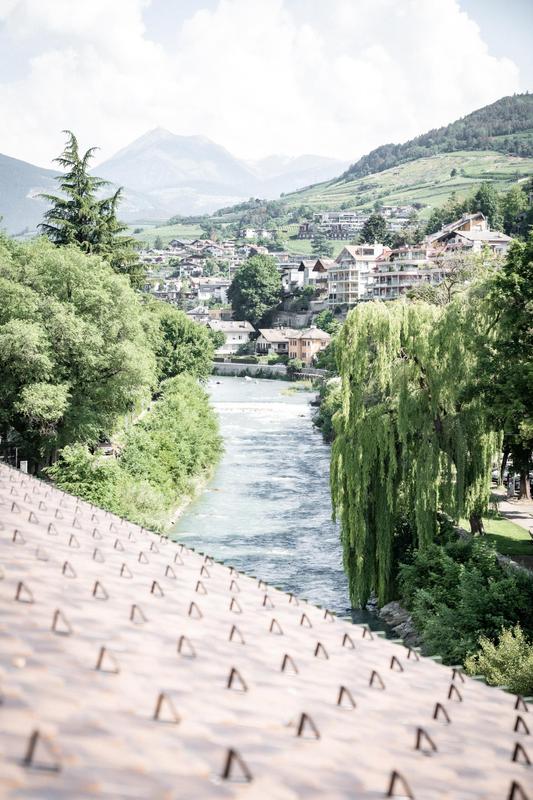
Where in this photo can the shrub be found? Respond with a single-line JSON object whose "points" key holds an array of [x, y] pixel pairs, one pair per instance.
{"points": [[457, 591], [507, 663], [163, 454], [330, 402]]}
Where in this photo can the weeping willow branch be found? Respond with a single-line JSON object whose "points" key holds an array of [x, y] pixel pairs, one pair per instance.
{"points": [[407, 442]]}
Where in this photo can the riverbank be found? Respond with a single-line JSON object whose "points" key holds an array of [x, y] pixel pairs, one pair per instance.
{"points": [[166, 458]]}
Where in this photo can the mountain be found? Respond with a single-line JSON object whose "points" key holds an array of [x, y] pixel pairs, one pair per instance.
{"points": [[20, 184], [426, 183], [505, 126], [494, 143], [193, 175], [164, 174]]}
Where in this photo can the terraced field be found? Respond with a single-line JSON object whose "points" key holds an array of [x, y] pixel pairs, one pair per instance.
{"points": [[427, 180], [150, 230]]}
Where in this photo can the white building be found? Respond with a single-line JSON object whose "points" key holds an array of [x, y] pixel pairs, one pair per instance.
{"points": [[351, 276], [237, 333], [402, 269], [211, 289]]}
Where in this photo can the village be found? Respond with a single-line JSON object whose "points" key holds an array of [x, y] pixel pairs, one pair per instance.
{"points": [[196, 275]]}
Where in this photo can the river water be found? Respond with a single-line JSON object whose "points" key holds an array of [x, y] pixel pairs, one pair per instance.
{"points": [[267, 510]]}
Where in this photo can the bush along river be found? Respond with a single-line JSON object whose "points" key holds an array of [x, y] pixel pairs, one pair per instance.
{"points": [[267, 510]]}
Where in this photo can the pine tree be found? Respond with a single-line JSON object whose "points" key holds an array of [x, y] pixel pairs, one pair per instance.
{"points": [[79, 217], [321, 246]]}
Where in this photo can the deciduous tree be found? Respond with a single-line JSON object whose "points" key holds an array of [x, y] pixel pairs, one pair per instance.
{"points": [[255, 289], [409, 441]]}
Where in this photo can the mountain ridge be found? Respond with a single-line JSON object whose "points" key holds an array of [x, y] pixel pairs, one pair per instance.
{"points": [[497, 126]]}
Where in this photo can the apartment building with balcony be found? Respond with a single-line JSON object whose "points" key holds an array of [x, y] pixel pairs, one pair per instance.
{"points": [[406, 267], [351, 276]]}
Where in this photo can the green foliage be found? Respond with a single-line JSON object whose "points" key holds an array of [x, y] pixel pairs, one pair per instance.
{"points": [[509, 662], [255, 289], [457, 591], [73, 352], [79, 348], [162, 457], [326, 322], [505, 371], [321, 246], [495, 127], [294, 365], [330, 402], [514, 204], [487, 200], [374, 230], [180, 345], [410, 441], [79, 217]]}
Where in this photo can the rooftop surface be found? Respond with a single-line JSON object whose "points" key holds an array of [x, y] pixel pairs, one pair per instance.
{"points": [[133, 667]]}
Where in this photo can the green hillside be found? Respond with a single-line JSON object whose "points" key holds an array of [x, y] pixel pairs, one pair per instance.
{"points": [[428, 181], [505, 126]]}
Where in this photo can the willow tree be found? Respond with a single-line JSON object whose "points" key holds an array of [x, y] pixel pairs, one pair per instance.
{"points": [[411, 438]]}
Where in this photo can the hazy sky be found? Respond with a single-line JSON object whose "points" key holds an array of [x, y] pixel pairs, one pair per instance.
{"points": [[335, 77]]}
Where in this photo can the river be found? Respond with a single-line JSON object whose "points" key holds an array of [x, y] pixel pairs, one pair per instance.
{"points": [[267, 510]]}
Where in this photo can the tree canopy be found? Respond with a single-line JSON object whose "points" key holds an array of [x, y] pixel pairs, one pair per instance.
{"points": [[79, 348], [73, 353], [411, 441], [321, 246], [505, 371], [255, 289], [79, 216], [374, 229]]}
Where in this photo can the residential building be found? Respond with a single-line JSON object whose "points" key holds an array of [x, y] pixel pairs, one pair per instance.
{"points": [[400, 270], [211, 289], [350, 277], [305, 344], [291, 278], [470, 232], [237, 333], [274, 341], [315, 273], [199, 314], [169, 290]]}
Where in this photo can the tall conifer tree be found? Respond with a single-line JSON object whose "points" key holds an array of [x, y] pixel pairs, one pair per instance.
{"points": [[78, 216]]}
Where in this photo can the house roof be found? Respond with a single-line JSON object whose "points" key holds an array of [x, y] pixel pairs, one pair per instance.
{"points": [[273, 334], [231, 326], [134, 667], [311, 333], [452, 226], [484, 236]]}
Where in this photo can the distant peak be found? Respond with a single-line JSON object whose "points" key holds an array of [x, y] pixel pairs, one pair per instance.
{"points": [[156, 134]]}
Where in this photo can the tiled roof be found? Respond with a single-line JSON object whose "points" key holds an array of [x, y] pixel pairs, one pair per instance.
{"points": [[132, 667], [310, 333]]}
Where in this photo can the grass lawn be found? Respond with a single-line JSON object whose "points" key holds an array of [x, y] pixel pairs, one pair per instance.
{"points": [[304, 246], [508, 539]]}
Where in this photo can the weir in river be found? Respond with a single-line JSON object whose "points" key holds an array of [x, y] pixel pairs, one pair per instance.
{"points": [[267, 510]]}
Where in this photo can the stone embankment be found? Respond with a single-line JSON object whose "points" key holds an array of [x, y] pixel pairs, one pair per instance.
{"points": [[401, 623]]}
